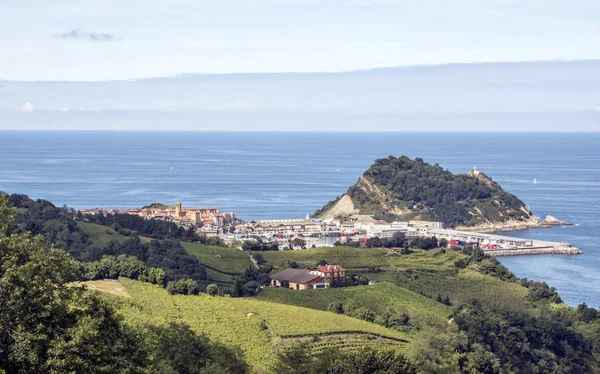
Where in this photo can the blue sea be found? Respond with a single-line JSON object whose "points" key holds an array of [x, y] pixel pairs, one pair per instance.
{"points": [[265, 175]]}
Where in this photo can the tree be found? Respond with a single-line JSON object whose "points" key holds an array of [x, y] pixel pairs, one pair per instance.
{"points": [[212, 289], [298, 242], [156, 276], [298, 359], [370, 361], [47, 325]]}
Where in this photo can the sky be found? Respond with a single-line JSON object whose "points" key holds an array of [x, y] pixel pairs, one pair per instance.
{"points": [[82, 64], [86, 40]]}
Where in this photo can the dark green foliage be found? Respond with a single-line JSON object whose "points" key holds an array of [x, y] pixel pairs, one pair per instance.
{"points": [[175, 348], [398, 240], [146, 227], [538, 291], [431, 193], [168, 255], [48, 326], [350, 280], [429, 242], [60, 230], [260, 260], [183, 287], [249, 283], [111, 267], [484, 264], [525, 344], [298, 359], [41, 217], [587, 314], [212, 289], [260, 245]]}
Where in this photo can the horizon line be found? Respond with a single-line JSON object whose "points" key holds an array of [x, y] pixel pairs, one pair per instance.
{"points": [[316, 131], [358, 70]]}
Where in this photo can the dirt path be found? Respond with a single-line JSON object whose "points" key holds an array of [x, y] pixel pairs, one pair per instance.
{"points": [[253, 260]]}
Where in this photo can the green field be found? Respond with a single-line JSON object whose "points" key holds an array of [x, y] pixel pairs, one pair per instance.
{"points": [[222, 259], [259, 328], [464, 287], [379, 298], [430, 273], [100, 235], [364, 259]]}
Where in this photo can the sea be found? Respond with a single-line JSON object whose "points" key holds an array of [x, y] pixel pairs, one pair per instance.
{"points": [[276, 175]]}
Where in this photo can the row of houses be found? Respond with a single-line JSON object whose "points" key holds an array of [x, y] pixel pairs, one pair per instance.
{"points": [[205, 219], [304, 279]]}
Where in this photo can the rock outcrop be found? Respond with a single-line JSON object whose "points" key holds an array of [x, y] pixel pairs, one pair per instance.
{"points": [[404, 189]]}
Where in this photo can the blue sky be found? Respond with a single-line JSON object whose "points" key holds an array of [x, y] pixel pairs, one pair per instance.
{"points": [[461, 65], [83, 40]]}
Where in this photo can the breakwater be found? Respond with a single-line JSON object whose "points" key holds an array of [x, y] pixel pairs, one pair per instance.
{"points": [[543, 250]]}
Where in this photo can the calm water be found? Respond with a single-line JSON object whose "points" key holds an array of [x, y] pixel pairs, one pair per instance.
{"points": [[289, 175]]}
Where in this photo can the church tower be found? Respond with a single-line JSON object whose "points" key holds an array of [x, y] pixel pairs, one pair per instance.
{"points": [[178, 209]]}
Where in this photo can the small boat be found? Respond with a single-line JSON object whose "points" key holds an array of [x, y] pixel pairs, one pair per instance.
{"points": [[534, 180]]}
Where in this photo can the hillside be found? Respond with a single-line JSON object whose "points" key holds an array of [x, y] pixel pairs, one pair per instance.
{"points": [[257, 327], [447, 309], [404, 189]]}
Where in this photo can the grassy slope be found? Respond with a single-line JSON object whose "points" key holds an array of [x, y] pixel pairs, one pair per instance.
{"points": [[231, 260], [239, 322], [362, 259], [463, 287], [222, 264], [100, 235], [430, 273], [379, 298]]}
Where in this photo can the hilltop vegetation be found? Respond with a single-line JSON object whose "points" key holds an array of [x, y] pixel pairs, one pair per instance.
{"points": [[404, 189], [98, 236]]}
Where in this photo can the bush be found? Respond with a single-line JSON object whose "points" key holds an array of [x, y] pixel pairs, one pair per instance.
{"points": [[212, 289]]}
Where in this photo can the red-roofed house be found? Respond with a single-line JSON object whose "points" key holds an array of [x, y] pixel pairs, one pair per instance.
{"points": [[329, 272]]}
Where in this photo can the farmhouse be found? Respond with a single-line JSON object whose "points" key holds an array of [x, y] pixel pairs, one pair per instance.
{"points": [[296, 279], [329, 272]]}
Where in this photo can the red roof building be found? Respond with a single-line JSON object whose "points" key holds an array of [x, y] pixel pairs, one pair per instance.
{"points": [[329, 272]]}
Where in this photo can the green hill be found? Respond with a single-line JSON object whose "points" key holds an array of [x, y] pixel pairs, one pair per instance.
{"points": [[406, 279], [404, 189], [99, 235], [379, 298], [257, 327], [222, 264]]}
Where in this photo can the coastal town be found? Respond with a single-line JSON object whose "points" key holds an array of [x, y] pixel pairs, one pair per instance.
{"points": [[315, 232]]}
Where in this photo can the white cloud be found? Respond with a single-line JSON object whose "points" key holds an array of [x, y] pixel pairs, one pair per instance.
{"points": [[64, 109], [27, 107]]}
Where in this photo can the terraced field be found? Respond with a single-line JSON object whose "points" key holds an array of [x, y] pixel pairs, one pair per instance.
{"points": [[363, 259], [379, 298], [467, 285], [257, 327]]}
